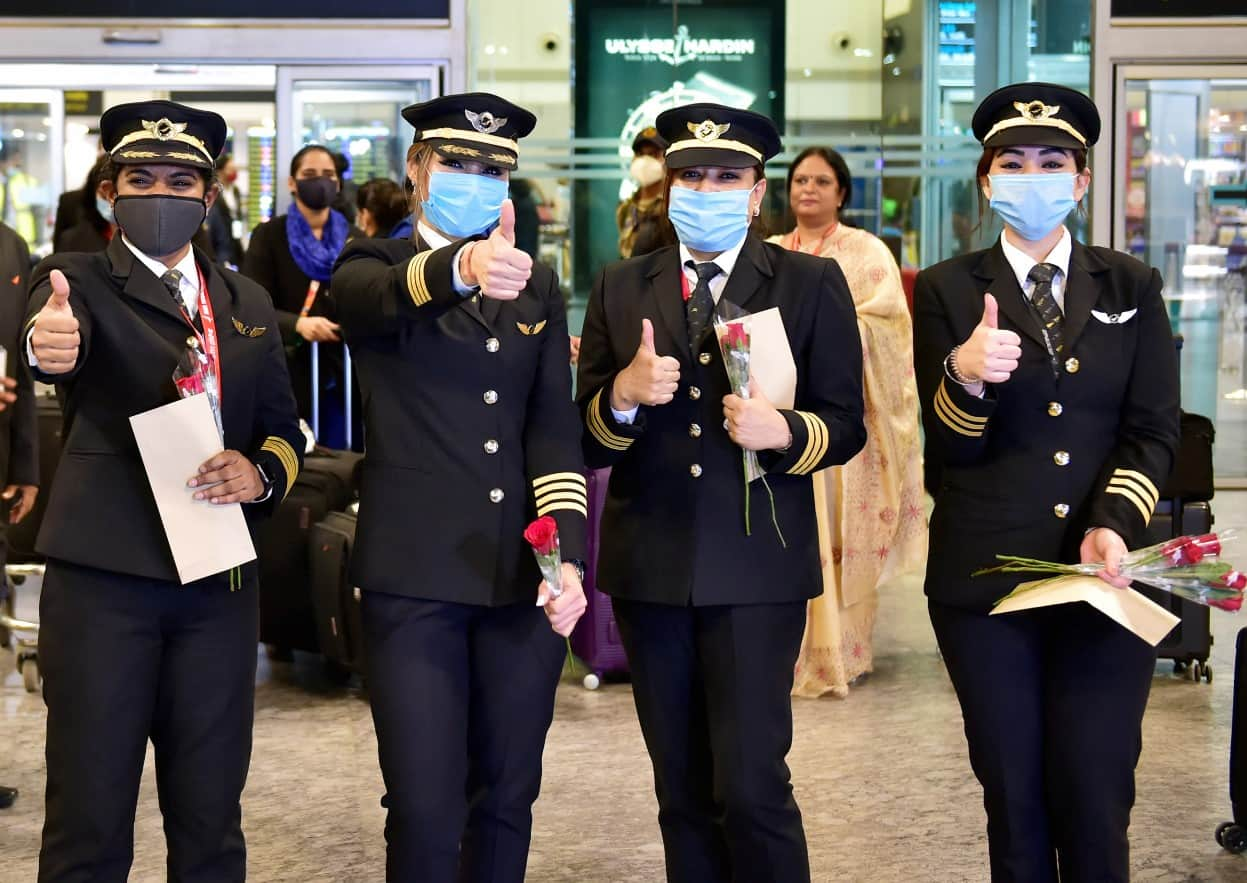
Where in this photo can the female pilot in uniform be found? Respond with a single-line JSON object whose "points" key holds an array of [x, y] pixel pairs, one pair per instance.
{"points": [[462, 348], [128, 653], [1049, 390], [711, 617]]}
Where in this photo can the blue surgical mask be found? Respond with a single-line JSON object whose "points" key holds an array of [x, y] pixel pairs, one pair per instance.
{"points": [[709, 220], [105, 208], [462, 205], [1033, 205]]}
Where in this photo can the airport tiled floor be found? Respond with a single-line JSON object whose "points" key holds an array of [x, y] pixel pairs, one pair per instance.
{"points": [[882, 777]]}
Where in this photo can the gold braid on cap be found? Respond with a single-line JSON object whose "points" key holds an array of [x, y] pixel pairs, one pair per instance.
{"points": [[163, 130], [1036, 113], [469, 135]]}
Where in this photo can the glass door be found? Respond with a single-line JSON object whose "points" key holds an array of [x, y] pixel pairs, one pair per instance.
{"points": [[1180, 204], [31, 173], [352, 110]]}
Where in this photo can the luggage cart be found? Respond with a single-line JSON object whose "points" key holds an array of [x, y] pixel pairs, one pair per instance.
{"points": [[21, 634]]}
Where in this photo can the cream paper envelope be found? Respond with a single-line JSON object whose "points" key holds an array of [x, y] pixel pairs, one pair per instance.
{"points": [[174, 440], [770, 356], [1126, 607]]}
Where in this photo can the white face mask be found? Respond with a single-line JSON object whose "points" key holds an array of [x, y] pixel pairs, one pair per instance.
{"points": [[646, 170]]}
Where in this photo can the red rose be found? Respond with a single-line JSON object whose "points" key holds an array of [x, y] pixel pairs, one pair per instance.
{"points": [[1192, 552], [543, 535], [1209, 544], [1232, 579], [1231, 604], [737, 336]]}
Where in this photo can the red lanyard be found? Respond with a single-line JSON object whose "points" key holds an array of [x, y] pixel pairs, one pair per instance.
{"points": [[208, 339], [684, 284], [313, 286], [796, 239]]}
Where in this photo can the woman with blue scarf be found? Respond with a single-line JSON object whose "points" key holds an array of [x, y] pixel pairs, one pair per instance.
{"points": [[292, 256]]}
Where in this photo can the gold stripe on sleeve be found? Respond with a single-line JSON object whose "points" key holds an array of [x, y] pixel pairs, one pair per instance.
{"points": [[282, 450], [1133, 496], [955, 418], [417, 285], [600, 431], [816, 443], [1141, 482]]}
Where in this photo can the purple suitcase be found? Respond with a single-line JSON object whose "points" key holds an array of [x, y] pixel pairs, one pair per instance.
{"points": [[596, 637]]}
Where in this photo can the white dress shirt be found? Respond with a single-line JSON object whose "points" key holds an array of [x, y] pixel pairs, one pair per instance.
{"points": [[435, 240], [188, 287], [1022, 263], [727, 262]]}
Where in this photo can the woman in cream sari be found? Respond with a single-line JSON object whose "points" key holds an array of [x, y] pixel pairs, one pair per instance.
{"points": [[870, 511]]}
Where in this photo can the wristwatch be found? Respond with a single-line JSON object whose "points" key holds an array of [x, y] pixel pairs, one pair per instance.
{"points": [[580, 567], [264, 480]]}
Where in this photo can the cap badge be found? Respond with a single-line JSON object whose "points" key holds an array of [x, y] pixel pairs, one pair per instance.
{"points": [[485, 123], [164, 128], [707, 130], [1036, 111]]}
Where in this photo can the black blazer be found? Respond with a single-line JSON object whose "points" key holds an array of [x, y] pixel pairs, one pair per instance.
{"points": [[19, 434], [470, 423], [670, 536], [1112, 413], [101, 512]]}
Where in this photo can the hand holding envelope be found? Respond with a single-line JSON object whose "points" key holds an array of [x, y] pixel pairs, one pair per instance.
{"points": [[174, 440]]}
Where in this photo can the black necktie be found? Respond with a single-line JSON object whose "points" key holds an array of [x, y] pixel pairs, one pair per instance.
{"points": [[700, 305], [1049, 313], [173, 281]]}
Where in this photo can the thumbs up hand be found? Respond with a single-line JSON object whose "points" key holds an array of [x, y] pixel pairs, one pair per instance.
{"points": [[495, 264], [988, 355], [55, 339], [649, 379]]}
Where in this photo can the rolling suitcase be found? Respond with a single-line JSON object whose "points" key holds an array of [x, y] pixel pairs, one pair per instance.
{"points": [[1190, 643], [339, 623], [50, 421], [1233, 835], [327, 483], [595, 639]]}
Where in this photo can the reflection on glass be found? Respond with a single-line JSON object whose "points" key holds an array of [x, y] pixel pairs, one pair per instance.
{"points": [[361, 120], [1184, 205], [26, 200]]}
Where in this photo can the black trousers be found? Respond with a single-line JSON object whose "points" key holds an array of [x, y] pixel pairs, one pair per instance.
{"points": [[712, 687], [126, 659], [462, 698], [1053, 702]]}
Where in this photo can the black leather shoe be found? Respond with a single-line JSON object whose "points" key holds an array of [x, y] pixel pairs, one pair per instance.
{"points": [[7, 796]]}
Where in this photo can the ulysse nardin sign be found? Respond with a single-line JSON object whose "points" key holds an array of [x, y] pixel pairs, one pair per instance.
{"points": [[679, 49]]}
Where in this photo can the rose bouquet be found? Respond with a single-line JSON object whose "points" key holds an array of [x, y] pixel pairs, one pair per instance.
{"points": [[195, 374], [733, 336], [1190, 567]]}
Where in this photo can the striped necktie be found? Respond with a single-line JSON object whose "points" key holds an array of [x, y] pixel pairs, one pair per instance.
{"points": [[700, 305], [1046, 305]]}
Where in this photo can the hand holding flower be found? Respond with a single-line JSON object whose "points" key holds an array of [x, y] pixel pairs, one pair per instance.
{"points": [[565, 609], [754, 423], [1104, 545]]}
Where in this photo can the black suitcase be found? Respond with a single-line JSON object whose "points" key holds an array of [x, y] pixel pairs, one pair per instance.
{"points": [[328, 482], [1190, 643], [1233, 835], [21, 536], [339, 623]]}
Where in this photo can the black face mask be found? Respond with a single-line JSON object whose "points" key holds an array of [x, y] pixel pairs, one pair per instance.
{"points": [[159, 225], [316, 193]]}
